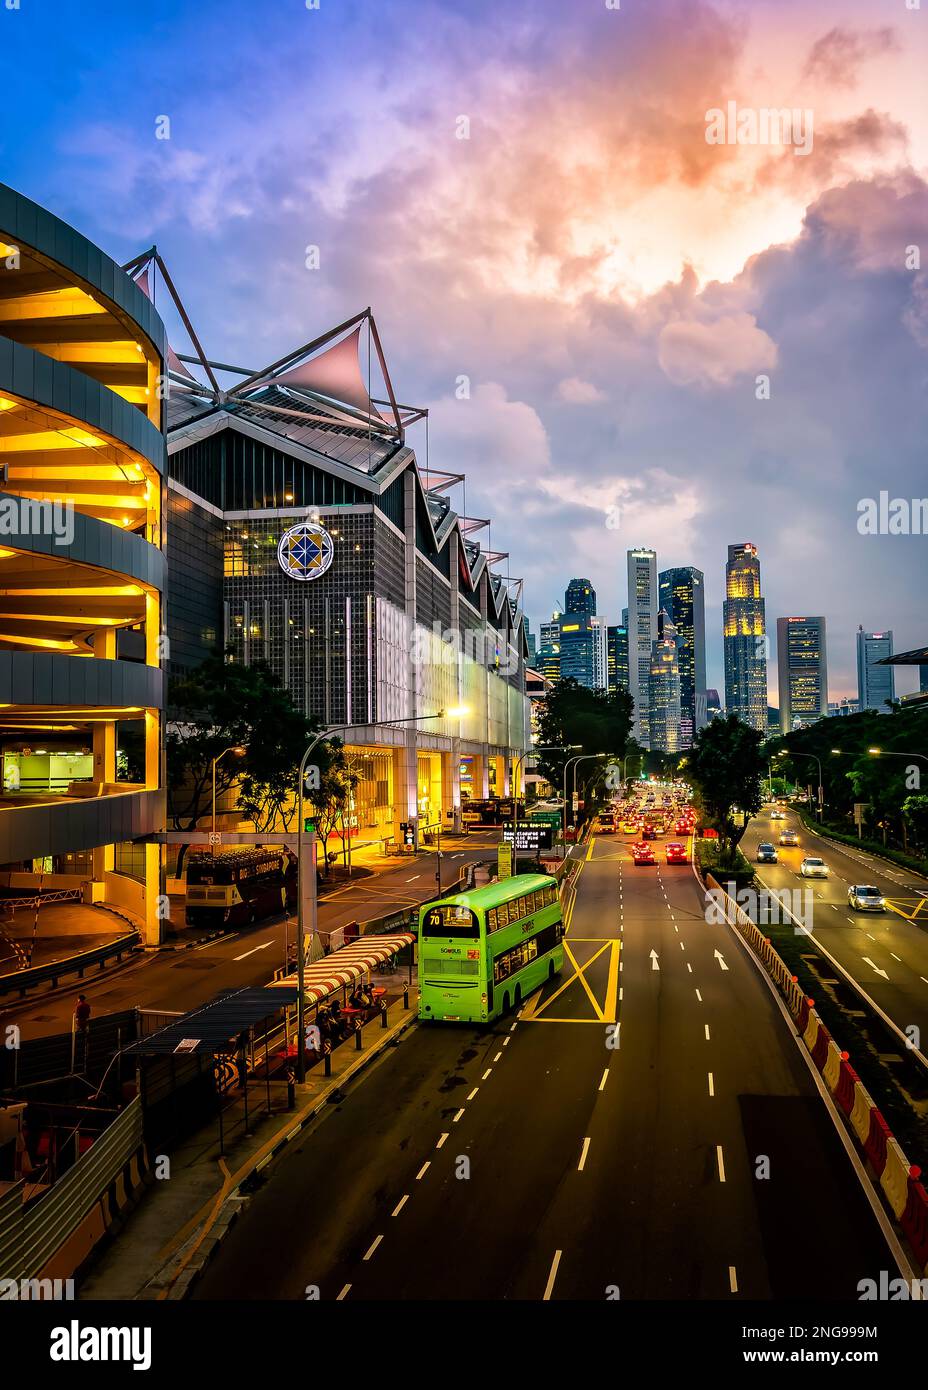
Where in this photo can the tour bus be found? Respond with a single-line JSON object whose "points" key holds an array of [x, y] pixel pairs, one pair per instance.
{"points": [[481, 953], [492, 811], [240, 886]]}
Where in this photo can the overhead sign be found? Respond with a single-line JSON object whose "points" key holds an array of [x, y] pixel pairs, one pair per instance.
{"points": [[305, 551], [530, 836]]}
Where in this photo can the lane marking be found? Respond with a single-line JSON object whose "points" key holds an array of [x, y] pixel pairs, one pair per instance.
{"points": [[423, 1170], [457, 1117], [413, 879], [707, 1033], [400, 1204], [473, 1093], [343, 1294], [442, 1141], [586, 1150], [373, 1248], [486, 1074], [721, 1162], [712, 1091], [699, 996], [549, 1287], [497, 1057], [505, 1042], [602, 1084], [263, 947], [733, 1278]]}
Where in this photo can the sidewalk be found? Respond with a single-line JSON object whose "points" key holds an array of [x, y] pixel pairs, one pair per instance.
{"points": [[180, 1220]]}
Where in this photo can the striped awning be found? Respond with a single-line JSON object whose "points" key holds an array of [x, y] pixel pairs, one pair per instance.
{"points": [[346, 965]]}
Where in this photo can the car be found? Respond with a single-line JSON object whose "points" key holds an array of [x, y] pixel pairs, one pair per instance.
{"points": [[682, 827], [643, 854], [606, 822], [863, 897], [789, 837], [778, 815], [766, 853], [676, 853], [813, 868], [648, 833], [630, 827]]}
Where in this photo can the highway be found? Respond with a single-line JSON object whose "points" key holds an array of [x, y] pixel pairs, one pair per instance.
{"points": [[179, 979], [645, 1129], [885, 953]]}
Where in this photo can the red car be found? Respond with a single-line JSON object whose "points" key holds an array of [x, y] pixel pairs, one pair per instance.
{"points": [[683, 827], [643, 854], [676, 854]]}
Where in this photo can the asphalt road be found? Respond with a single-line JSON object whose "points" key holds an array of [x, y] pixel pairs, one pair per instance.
{"points": [[180, 980], [607, 1143], [885, 953]]}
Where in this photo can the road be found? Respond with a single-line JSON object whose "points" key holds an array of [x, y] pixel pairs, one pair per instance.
{"points": [[603, 1144], [179, 980], [885, 953]]}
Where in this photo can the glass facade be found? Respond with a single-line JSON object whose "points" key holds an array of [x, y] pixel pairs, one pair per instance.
{"points": [[803, 671], [682, 597], [745, 640], [875, 684]]}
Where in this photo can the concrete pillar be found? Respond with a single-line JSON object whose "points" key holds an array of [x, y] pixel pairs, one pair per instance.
{"points": [[412, 667]]}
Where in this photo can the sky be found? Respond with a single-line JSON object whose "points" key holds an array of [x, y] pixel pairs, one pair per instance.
{"points": [[626, 333]]}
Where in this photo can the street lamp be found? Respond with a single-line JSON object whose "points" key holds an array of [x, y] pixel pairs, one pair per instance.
{"points": [[530, 752], [584, 758], [301, 940], [567, 763], [240, 753], [890, 753]]}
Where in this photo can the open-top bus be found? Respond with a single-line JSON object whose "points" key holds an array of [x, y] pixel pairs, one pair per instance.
{"points": [[483, 952], [239, 886]]}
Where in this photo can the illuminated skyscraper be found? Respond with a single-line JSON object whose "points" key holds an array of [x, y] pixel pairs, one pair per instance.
{"points": [[580, 597], [617, 656], [682, 597], [664, 689], [600, 653], [744, 629], [875, 684], [642, 633], [803, 670]]}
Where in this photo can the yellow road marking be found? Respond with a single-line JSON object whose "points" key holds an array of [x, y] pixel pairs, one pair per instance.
{"points": [[612, 988], [578, 975]]}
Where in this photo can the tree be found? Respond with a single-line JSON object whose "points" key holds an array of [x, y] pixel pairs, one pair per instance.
{"points": [[915, 812], [726, 767], [596, 721]]}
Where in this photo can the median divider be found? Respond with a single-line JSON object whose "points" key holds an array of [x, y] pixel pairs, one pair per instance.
{"points": [[898, 1179]]}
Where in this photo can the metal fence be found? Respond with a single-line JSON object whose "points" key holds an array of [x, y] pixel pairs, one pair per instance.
{"points": [[21, 981]]}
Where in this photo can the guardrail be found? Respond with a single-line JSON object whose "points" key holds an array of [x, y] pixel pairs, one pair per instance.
{"points": [[21, 981], [32, 1235], [53, 895], [899, 1179]]}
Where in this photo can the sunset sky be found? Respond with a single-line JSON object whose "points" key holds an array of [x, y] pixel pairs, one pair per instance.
{"points": [[610, 283]]}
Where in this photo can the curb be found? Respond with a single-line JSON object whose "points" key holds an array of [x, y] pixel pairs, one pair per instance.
{"points": [[235, 1201]]}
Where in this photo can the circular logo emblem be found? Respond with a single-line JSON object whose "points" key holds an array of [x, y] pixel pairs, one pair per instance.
{"points": [[305, 551]]}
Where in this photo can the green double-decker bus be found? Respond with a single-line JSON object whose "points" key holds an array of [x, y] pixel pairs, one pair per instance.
{"points": [[481, 953]]}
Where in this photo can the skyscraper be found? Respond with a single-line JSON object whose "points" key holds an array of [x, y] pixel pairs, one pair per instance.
{"points": [[577, 642], [744, 629], [550, 633], [802, 664], [529, 640], [642, 633], [580, 597], [548, 661], [617, 656], [664, 689], [600, 653], [682, 597], [875, 684]]}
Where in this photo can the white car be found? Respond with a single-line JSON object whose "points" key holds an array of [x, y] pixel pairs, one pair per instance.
{"points": [[863, 897], [778, 815], [813, 868]]}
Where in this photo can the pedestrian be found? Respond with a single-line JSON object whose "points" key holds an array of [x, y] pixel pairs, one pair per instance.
{"points": [[82, 1013]]}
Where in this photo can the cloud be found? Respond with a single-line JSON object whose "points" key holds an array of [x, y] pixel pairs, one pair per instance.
{"points": [[693, 353], [837, 56], [577, 392]]}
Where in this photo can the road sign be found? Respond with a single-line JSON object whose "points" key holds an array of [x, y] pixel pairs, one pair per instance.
{"points": [[530, 836], [215, 837], [504, 860], [309, 826]]}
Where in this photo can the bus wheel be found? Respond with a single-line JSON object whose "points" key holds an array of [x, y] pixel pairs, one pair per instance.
{"points": [[506, 1002], [518, 997]]}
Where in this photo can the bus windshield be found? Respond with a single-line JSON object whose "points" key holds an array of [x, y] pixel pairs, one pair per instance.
{"points": [[450, 919]]}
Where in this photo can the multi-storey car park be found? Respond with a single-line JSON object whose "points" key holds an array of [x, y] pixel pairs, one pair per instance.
{"points": [[82, 572]]}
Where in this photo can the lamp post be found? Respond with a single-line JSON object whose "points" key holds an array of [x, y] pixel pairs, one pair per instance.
{"points": [[567, 762], [584, 758], [890, 753], [636, 754], [239, 752], [301, 937], [529, 752]]}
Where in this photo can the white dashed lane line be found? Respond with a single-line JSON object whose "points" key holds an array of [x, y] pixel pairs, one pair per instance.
{"points": [[370, 1252], [401, 1204]]}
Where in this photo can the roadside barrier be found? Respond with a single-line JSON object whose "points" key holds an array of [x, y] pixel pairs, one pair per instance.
{"points": [[905, 1195]]}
